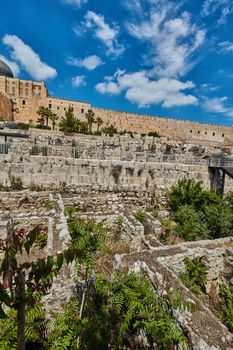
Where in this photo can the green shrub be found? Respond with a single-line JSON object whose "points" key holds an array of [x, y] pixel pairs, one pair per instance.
{"points": [[23, 126], [153, 133], [141, 217], [48, 205], [109, 130], [200, 214], [34, 332], [191, 224], [116, 312], [226, 297], [195, 275], [190, 192]]}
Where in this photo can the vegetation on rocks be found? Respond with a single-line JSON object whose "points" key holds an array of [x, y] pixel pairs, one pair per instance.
{"points": [[200, 214], [195, 275], [109, 310], [226, 302]]}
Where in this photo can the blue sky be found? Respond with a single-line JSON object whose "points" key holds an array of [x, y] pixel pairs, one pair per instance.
{"points": [[155, 57]]}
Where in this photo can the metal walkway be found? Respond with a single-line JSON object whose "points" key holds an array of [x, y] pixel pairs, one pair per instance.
{"points": [[219, 167]]}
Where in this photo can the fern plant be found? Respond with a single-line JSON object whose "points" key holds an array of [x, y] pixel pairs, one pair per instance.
{"points": [[123, 307], [195, 275], [34, 330], [226, 302]]}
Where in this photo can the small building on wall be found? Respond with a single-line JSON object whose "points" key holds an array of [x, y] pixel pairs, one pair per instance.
{"points": [[25, 97]]}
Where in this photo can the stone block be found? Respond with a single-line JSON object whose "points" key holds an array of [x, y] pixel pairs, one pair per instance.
{"points": [[6, 226]]}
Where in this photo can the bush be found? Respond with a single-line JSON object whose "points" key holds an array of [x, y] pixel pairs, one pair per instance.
{"points": [[195, 275], [190, 192], [34, 332], [153, 133], [23, 126], [200, 214], [141, 217], [116, 311], [192, 225], [226, 297], [109, 130], [40, 126]]}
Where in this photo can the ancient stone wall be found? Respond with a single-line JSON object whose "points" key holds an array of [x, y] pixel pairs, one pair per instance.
{"points": [[28, 95], [5, 108], [172, 128], [122, 163]]}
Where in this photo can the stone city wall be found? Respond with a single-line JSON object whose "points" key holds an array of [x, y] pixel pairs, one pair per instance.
{"points": [[27, 96], [5, 108], [172, 128]]}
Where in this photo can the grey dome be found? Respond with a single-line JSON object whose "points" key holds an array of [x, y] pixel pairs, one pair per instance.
{"points": [[5, 70]]}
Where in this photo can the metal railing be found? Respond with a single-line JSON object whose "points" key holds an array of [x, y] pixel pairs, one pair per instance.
{"points": [[4, 148], [107, 154], [220, 162]]}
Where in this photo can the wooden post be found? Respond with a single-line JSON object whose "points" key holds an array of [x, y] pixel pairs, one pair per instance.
{"points": [[21, 311]]}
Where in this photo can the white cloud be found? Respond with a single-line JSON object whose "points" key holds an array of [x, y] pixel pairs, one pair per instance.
{"points": [[133, 5], [13, 65], [102, 31], [209, 87], [217, 105], [144, 92], [78, 81], [76, 3], [28, 59], [223, 7], [226, 46], [173, 40], [110, 88], [90, 62]]}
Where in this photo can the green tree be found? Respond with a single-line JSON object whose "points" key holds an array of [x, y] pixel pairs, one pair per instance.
{"points": [[109, 130], [99, 122], [83, 127], [53, 117], [45, 114], [90, 115], [189, 192], [191, 224], [69, 123], [219, 219], [199, 213]]}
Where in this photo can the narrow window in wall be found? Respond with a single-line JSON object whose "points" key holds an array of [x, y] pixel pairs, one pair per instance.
{"points": [[23, 102], [205, 132], [50, 105], [223, 135], [57, 108], [82, 110], [198, 132], [191, 131], [213, 133]]}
